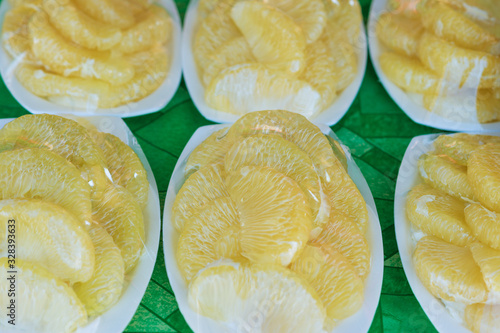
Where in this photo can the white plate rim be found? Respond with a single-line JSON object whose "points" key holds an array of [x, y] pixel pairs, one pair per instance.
{"points": [[152, 103], [330, 116]]}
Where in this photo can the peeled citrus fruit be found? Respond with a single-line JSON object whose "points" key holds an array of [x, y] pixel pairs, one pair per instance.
{"points": [[50, 236], [15, 35], [57, 180], [482, 318], [488, 260], [234, 292], [449, 271], [399, 33], [205, 7], [105, 287], [347, 14], [334, 280], [439, 214], [109, 11], [59, 311], [199, 189], [275, 39], [483, 172], [121, 216], [488, 106], [283, 156], [274, 215], [210, 235], [485, 224], [442, 172], [459, 146], [252, 87]]}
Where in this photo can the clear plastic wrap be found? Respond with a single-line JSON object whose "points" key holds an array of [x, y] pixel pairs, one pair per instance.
{"points": [[79, 220], [242, 204]]}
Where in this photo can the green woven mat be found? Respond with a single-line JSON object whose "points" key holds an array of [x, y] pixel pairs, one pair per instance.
{"points": [[376, 131]]}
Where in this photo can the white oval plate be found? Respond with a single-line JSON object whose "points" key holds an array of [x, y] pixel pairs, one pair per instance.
{"points": [[116, 319], [408, 178], [330, 116], [152, 103], [416, 112], [359, 322]]}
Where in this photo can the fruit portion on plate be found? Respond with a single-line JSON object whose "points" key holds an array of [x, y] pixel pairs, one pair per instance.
{"points": [[280, 54], [445, 55], [88, 54], [270, 221], [455, 216], [71, 220]]}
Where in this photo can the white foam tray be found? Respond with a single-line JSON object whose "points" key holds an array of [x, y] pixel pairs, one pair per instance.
{"points": [[116, 319], [359, 322], [152, 103], [330, 116], [414, 110]]}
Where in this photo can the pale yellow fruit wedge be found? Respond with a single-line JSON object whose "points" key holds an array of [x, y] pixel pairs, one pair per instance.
{"points": [[17, 3], [449, 271], [275, 39], [488, 106], [15, 34], [459, 146], [481, 318], [483, 172], [49, 235], [205, 7], [442, 172], [439, 214], [347, 14], [488, 260], [114, 12], [105, 287], [334, 280], [399, 33], [41, 174], [68, 59], [210, 235], [199, 189], [485, 224], [121, 216], [283, 156], [407, 8], [79, 27], [232, 293], [59, 310], [274, 215], [252, 87]]}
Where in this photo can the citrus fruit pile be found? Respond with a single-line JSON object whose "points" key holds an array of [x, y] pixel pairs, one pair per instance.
{"points": [[446, 52], [269, 215], [76, 198], [88, 54], [457, 209], [295, 55]]}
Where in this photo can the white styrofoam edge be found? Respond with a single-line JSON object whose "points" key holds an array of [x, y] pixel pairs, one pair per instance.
{"points": [[416, 112], [116, 319], [152, 103], [359, 322], [330, 116]]}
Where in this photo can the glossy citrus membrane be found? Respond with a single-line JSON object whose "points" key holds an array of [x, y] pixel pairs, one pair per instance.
{"points": [[485, 224], [211, 150], [56, 180], [274, 215], [447, 23], [458, 64], [321, 72], [233, 52], [233, 293], [69, 59], [79, 27], [442, 172], [334, 280], [15, 35], [210, 235], [124, 165], [50, 236], [459, 146], [285, 157], [449, 271], [251, 87], [482, 318], [199, 189], [439, 214], [103, 290], [347, 14], [275, 39], [338, 151], [113, 12], [153, 26], [409, 73], [310, 15], [399, 33], [59, 310], [488, 260], [483, 172], [488, 106], [121, 216]]}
